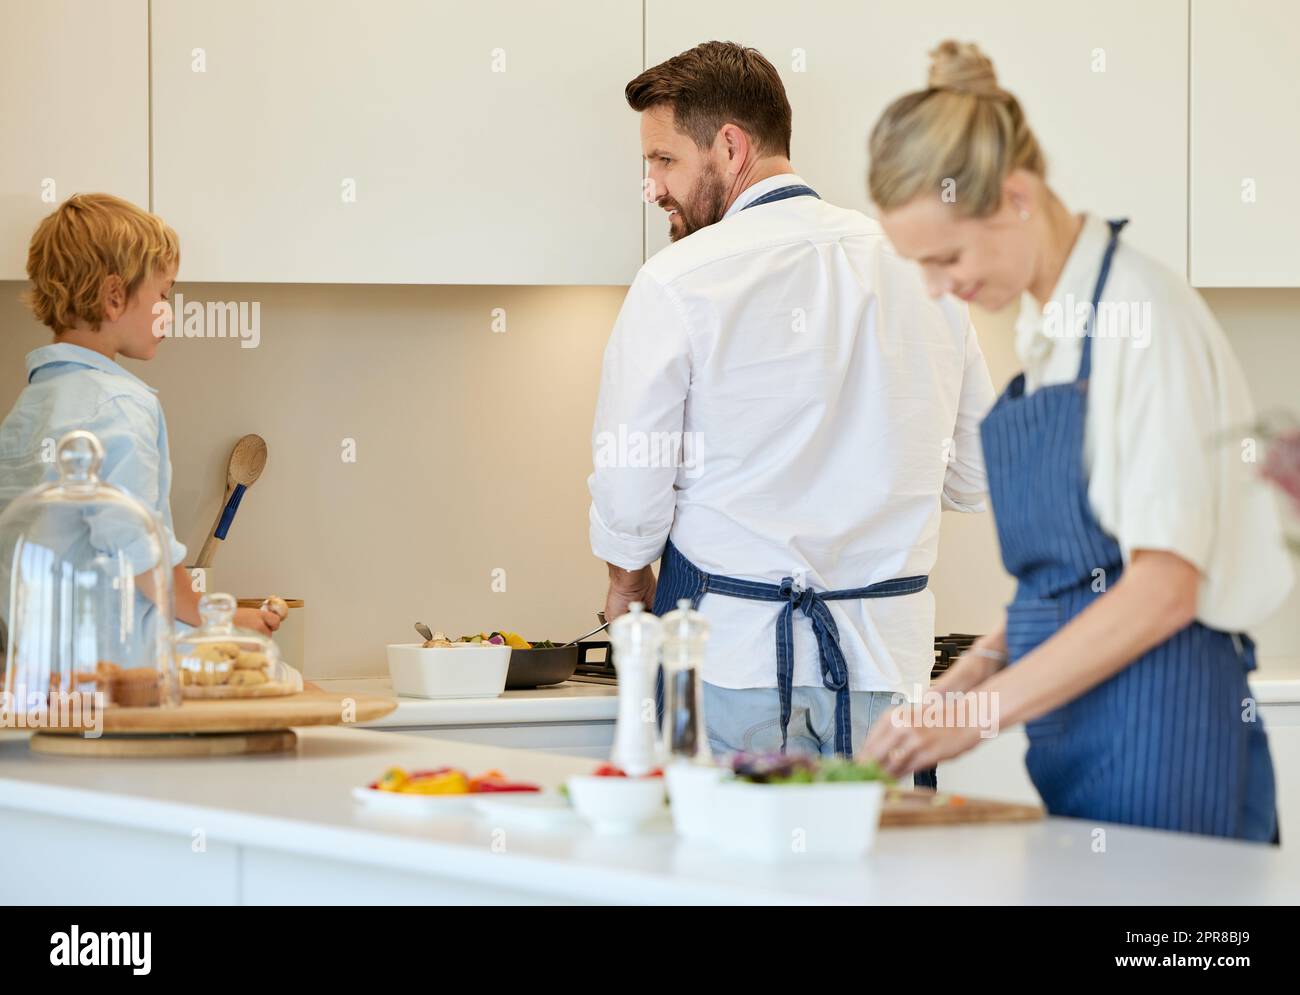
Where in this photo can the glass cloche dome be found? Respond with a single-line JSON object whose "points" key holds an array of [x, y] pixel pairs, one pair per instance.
{"points": [[220, 660], [85, 590]]}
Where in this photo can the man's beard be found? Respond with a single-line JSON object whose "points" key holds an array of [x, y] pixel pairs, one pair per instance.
{"points": [[704, 207]]}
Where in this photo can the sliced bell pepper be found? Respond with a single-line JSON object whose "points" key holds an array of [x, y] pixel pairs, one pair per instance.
{"points": [[453, 782], [496, 787], [418, 775]]}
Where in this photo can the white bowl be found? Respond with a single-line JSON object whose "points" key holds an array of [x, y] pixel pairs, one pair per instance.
{"points": [[617, 804], [780, 822], [691, 789], [471, 670]]}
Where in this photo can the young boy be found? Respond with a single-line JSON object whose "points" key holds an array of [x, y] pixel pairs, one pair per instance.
{"points": [[101, 271]]}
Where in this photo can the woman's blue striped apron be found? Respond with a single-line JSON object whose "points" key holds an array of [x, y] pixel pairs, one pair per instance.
{"points": [[1163, 743], [679, 578]]}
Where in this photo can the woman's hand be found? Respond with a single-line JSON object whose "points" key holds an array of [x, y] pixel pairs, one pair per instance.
{"points": [[901, 742], [626, 587]]}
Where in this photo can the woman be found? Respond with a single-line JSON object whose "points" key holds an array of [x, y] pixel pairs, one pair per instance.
{"points": [[1143, 546]]}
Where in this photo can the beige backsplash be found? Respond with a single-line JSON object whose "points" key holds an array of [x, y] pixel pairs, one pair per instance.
{"points": [[472, 451]]}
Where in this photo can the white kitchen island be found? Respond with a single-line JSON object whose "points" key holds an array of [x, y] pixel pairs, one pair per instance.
{"points": [[285, 829]]}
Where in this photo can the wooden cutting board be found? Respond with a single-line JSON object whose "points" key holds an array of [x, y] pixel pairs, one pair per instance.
{"points": [[919, 807], [211, 744], [310, 708]]}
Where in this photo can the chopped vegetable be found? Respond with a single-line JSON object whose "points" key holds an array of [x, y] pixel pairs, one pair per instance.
{"points": [[452, 782], [613, 770], [511, 639], [501, 785], [779, 768], [446, 781]]}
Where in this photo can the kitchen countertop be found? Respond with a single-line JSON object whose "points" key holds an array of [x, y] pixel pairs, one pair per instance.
{"points": [[299, 804], [1277, 682], [572, 701]]}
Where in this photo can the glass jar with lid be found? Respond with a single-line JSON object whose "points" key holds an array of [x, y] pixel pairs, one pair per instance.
{"points": [[85, 591], [221, 660]]}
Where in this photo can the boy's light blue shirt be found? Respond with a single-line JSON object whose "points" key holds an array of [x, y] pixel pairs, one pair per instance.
{"points": [[70, 387]]}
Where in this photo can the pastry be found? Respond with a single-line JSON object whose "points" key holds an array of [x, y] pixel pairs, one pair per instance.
{"points": [[247, 678], [209, 674], [251, 661], [136, 687]]}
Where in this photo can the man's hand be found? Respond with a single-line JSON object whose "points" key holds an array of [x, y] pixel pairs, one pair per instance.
{"points": [[627, 586]]}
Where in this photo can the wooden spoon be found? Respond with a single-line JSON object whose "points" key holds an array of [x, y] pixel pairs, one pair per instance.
{"points": [[247, 461]]}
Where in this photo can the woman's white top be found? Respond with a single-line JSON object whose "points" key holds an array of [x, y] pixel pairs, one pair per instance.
{"points": [[1169, 445]]}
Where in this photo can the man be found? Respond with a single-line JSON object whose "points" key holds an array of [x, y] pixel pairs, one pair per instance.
{"points": [[783, 412]]}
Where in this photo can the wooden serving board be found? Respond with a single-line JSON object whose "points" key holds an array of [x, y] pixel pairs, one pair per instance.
{"points": [[308, 708], [217, 744], [919, 807]]}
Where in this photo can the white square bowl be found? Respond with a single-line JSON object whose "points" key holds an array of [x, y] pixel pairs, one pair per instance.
{"points": [[779, 822], [468, 671]]}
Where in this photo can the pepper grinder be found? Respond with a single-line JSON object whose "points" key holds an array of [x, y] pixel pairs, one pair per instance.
{"points": [[686, 632], [636, 638]]}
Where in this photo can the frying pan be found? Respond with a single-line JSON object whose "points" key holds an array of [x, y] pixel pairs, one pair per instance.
{"points": [[540, 667]]}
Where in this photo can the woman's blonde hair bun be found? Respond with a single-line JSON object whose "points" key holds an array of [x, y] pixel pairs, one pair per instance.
{"points": [[957, 139], [961, 67]]}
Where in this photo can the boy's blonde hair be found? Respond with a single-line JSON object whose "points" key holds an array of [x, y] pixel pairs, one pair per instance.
{"points": [[89, 237], [962, 128]]}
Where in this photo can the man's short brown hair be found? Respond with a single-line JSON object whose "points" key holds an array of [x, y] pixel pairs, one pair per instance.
{"points": [[716, 83]]}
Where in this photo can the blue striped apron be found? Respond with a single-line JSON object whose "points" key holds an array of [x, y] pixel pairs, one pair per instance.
{"points": [[1162, 743], [782, 193], [680, 578]]}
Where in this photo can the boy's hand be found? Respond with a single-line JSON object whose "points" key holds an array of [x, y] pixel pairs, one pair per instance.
{"points": [[258, 619]]}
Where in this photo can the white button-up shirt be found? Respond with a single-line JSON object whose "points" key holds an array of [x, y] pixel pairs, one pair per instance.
{"points": [[781, 396], [1167, 434]]}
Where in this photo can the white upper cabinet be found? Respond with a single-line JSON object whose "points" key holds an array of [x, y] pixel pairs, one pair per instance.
{"points": [[1104, 85], [74, 110], [1245, 143], [398, 141]]}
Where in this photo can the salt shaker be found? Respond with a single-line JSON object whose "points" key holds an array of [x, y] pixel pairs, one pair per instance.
{"points": [[636, 638]]}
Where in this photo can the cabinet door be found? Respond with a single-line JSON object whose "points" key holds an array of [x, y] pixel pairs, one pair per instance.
{"points": [[398, 141], [1104, 85], [1245, 142], [74, 109]]}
